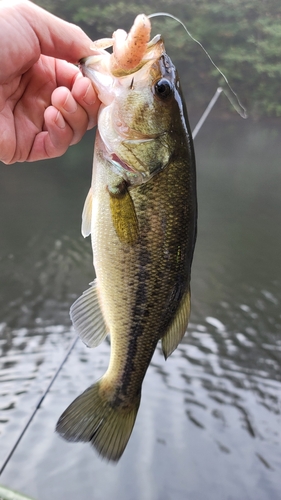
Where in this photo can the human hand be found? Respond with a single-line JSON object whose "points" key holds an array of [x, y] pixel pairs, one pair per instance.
{"points": [[45, 103]]}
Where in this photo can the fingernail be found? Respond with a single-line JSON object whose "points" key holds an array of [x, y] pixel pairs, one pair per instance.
{"points": [[60, 120], [70, 105], [89, 97]]}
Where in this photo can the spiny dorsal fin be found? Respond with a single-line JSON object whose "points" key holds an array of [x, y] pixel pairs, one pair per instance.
{"points": [[87, 317], [178, 327], [87, 215]]}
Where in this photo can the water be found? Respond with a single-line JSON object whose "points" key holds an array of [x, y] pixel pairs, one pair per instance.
{"points": [[209, 423]]}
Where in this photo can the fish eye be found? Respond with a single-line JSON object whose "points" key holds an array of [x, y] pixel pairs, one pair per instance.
{"points": [[163, 88]]}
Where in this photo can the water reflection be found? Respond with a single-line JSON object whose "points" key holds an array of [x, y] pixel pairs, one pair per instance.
{"points": [[209, 422]]}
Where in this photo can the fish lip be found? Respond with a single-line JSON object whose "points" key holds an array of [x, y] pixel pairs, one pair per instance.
{"points": [[82, 63], [82, 66]]}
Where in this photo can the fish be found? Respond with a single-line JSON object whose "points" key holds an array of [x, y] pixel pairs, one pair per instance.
{"points": [[141, 212]]}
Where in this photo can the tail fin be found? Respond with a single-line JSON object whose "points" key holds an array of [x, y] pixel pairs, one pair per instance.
{"points": [[92, 417]]}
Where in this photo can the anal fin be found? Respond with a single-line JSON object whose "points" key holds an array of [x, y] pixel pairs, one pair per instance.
{"points": [[87, 317]]}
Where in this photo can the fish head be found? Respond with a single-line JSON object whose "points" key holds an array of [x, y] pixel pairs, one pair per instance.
{"points": [[141, 114]]}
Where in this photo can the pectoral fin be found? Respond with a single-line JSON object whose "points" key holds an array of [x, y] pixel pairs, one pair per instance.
{"points": [[178, 327], [123, 214], [87, 215], [87, 317]]}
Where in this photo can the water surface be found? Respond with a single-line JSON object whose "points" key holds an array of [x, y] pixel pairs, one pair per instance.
{"points": [[209, 423]]}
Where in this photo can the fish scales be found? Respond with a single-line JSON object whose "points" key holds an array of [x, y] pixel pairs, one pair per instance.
{"points": [[141, 212], [149, 277]]}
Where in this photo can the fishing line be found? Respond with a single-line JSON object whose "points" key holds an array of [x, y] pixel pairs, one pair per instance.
{"points": [[72, 345], [207, 111], [242, 112], [234, 101]]}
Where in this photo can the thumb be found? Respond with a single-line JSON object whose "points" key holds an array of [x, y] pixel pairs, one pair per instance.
{"points": [[57, 38]]}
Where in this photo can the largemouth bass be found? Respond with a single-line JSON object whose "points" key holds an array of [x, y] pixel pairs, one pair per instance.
{"points": [[141, 211]]}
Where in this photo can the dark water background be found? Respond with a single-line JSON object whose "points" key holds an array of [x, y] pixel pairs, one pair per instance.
{"points": [[209, 424]]}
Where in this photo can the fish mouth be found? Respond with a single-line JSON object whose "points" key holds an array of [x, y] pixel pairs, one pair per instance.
{"points": [[99, 63]]}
